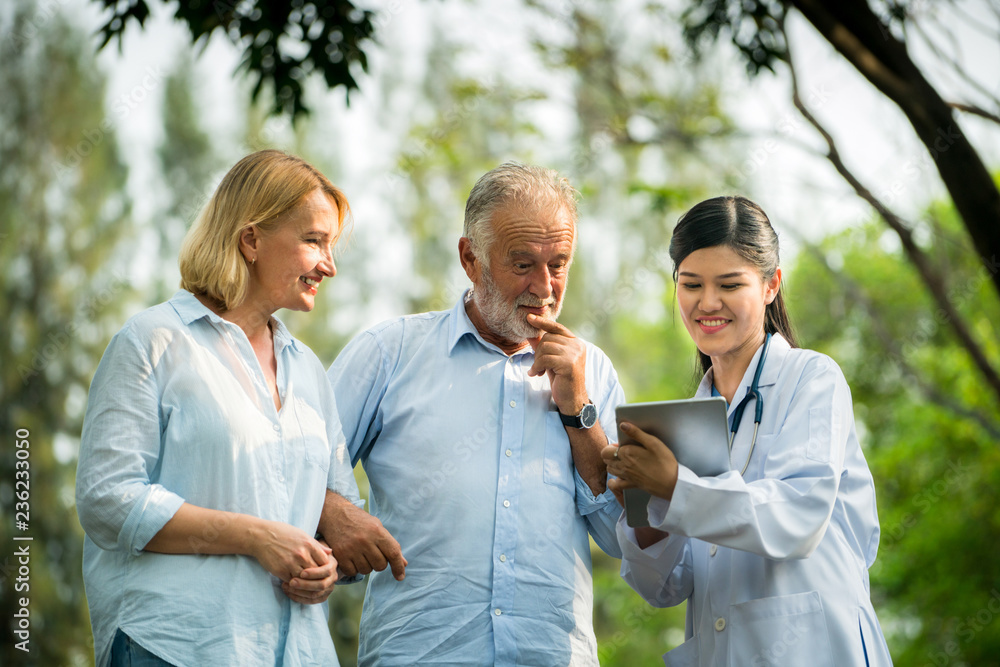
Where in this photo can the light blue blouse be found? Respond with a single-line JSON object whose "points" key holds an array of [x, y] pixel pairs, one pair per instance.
{"points": [[471, 470], [179, 411]]}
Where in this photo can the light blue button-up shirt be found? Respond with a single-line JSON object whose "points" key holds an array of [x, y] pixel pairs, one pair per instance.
{"points": [[471, 470], [180, 411]]}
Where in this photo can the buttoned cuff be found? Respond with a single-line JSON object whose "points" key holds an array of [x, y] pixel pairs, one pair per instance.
{"points": [[666, 550], [656, 511]]}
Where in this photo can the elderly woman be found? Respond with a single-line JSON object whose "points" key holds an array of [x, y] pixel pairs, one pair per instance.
{"points": [[211, 438]]}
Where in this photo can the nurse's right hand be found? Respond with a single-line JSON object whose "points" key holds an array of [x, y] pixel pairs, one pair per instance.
{"points": [[645, 463]]}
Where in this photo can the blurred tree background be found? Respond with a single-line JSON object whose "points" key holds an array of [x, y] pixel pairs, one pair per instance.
{"points": [[66, 228], [611, 95]]}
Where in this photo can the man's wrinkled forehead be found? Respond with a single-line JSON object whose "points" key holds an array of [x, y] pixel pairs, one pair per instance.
{"points": [[549, 222]]}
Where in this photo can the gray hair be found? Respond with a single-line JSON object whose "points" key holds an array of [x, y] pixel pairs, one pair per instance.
{"points": [[512, 184]]}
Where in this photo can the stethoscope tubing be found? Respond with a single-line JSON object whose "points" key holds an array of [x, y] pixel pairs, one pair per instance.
{"points": [[754, 393]]}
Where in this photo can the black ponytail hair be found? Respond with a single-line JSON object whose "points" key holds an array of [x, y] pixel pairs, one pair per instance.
{"points": [[740, 224]]}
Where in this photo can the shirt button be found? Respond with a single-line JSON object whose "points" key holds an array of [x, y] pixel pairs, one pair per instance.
{"points": [[720, 624], [503, 558], [513, 404], [712, 549], [277, 428], [506, 503], [508, 452], [497, 612]]}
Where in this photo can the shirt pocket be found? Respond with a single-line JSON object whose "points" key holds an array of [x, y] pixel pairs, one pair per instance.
{"points": [[317, 454], [557, 462], [685, 655], [310, 443], [785, 630]]}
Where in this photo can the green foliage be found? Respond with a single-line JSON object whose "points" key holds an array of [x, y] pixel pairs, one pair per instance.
{"points": [[630, 631], [188, 164], [283, 42], [928, 427], [64, 220], [475, 125], [754, 26]]}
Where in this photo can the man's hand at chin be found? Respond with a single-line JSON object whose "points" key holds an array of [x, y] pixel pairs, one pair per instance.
{"points": [[563, 357]]}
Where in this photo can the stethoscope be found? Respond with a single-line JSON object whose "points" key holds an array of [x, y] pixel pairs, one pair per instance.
{"points": [[758, 412]]}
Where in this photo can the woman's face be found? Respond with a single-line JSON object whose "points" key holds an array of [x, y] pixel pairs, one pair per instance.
{"points": [[293, 258], [722, 298]]}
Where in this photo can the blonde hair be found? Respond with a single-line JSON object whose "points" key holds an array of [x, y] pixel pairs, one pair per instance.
{"points": [[256, 192]]}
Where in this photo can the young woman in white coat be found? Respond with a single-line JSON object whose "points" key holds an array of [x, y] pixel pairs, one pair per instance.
{"points": [[773, 562]]}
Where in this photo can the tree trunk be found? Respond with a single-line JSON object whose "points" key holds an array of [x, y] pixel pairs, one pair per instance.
{"points": [[854, 30]]}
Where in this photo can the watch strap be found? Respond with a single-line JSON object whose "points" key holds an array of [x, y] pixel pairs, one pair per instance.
{"points": [[571, 420]]}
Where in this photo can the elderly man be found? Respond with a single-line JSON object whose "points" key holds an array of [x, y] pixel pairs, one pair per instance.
{"points": [[480, 429]]}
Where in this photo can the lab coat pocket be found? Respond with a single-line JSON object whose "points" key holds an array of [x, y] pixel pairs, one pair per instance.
{"points": [[557, 465], [785, 630], [685, 655]]}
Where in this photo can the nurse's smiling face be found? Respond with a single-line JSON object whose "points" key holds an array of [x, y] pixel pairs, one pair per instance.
{"points": [[722, 298]]}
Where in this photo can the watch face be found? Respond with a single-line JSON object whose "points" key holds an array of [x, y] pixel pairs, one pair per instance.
{"points": [[588, 416]]}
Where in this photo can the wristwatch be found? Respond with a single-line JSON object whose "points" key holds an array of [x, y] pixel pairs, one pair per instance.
{"points": [[586, 419]]}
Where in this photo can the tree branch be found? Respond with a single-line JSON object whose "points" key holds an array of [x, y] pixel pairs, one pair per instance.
{"points": [[954, 64], [975, 111], [893, 349], [929, 276]]}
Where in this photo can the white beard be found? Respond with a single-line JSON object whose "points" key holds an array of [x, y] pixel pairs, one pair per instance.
{"points": [[502, 316]]}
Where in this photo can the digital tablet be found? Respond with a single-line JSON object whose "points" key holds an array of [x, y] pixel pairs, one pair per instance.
{"points": [[695, 429]]}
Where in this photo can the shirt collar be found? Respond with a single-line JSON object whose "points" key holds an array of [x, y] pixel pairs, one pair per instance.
{"points": [[461, 326], [189, 309], [283, 337]]}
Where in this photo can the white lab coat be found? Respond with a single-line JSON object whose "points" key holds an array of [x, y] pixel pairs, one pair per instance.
{"points": [[774, 565]]}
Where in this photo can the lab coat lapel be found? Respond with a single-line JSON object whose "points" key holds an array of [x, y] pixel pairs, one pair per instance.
{"points": [[776, 352]]}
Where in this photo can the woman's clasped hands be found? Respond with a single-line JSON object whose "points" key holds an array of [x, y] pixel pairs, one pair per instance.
{"points": [[305, 566]]}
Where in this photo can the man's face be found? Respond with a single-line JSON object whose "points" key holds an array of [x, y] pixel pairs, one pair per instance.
{"points": [[528, 269]]}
